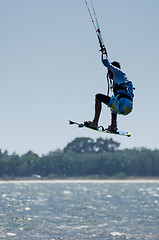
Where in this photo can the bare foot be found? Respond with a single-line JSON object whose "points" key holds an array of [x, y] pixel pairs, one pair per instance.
{"points": [[112, 128], [91, 124]]}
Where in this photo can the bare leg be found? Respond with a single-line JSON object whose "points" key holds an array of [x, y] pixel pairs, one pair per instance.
{"points": [[98, 107], [113, 127], [114, 119]]}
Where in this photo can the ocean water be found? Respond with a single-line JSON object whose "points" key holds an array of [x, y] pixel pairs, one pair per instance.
{"points": [[79, 210]]}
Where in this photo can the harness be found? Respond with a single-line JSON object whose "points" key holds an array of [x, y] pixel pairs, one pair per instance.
{"points": [[124, 90]]}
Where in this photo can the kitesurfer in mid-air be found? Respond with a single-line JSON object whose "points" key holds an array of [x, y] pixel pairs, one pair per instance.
{"points": [[122, 100]]}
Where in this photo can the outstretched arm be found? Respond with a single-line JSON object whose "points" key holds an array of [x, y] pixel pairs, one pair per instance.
{"points": [[106, 62], [104, 51]]}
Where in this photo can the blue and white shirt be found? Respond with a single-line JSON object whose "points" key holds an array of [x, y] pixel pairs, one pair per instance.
{"points": [[119, 77]]}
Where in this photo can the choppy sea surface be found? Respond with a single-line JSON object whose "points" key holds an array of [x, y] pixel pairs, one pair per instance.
{"points": [[79, 210]]}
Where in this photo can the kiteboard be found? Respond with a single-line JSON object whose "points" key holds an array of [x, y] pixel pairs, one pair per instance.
{"points": [[101, 129]]}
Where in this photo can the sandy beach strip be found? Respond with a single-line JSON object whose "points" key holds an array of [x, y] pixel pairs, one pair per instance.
{"points": [[137, 180]]}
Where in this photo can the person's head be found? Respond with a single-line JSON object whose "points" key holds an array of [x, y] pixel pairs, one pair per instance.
{"points": [[115, 64]]}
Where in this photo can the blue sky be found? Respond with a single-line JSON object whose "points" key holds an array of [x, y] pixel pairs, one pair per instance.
{"points": [[50, 71]]}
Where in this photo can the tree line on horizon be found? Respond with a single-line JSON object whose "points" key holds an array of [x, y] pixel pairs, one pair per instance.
{"points": [[83, 157]]}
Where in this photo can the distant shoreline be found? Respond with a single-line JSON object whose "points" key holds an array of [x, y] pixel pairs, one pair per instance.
{"points": [[136, 180]]}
